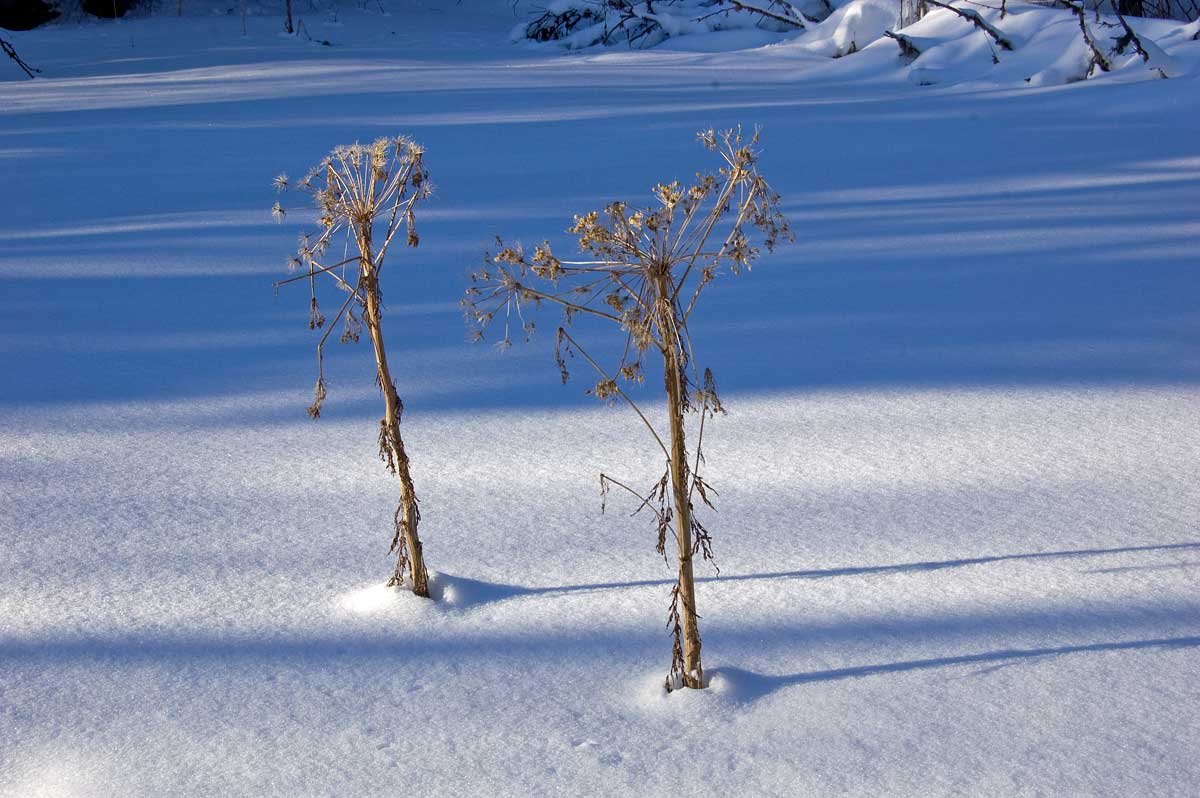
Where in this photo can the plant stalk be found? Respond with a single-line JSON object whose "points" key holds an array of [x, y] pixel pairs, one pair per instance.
{"points": [[393, 408], [693, 672]]}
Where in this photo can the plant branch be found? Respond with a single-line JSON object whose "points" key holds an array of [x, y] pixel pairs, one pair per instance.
{"points": [[572, 306], [575, 345], [321, 270], [605, 479]]}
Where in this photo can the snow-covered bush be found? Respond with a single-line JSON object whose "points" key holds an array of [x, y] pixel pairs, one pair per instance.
{"points": [[1036, 45], [852, 27], [1106, 46], [643, 270], [1044, 42], [645, 23]]}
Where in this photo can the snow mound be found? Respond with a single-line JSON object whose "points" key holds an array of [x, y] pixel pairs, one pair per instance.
{"points": [[370, 600], [852, 27]]}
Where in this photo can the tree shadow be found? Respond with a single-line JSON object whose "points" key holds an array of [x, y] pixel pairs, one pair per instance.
{"points": [[746, 686]]}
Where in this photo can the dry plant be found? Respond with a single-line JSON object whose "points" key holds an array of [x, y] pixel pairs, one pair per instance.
{"points": [[365, 195], [644, 270]]}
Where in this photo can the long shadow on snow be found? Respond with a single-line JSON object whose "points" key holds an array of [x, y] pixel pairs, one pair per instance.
{"points": [[390, 642], [621, 645], [1040, 269], [747, 686], [462, 593]]}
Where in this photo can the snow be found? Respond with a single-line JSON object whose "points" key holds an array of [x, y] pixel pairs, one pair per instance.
{"points": [[958, 481], [851, 27]]}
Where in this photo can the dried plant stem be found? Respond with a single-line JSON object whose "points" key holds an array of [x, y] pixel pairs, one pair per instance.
{"points": [[406, 541], [692, 672]]}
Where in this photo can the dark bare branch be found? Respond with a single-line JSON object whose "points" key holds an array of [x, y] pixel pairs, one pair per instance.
{"points": [[1098, 58], [11, 52], [1131, 39], [976, 19], [908, 47], [797, 21]]}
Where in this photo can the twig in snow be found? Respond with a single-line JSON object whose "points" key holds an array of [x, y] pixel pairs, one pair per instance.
{"points": [[11, 52], [907, 48], [302, 29], [798, 21], [1132, 38], [973, 16], [1099, 59]]}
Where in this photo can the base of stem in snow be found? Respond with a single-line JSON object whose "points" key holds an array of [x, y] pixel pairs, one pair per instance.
{"points": [[680, 681]]}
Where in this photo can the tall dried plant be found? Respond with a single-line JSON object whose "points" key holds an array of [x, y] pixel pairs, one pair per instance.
{"points": [[365, 195], [643, 270]]}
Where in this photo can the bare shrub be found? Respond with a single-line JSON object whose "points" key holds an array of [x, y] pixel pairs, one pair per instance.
{"points": [[643, 270]]}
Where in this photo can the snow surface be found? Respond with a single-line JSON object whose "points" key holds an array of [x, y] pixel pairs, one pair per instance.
{"points": [[958, 481]]}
